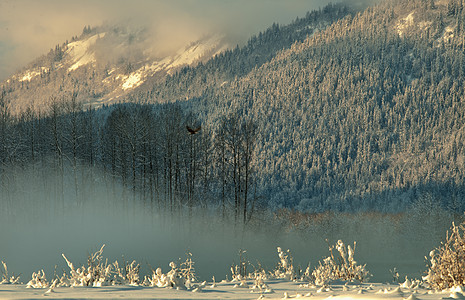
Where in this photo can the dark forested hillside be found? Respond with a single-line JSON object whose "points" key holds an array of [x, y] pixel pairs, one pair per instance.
{"points": [[368, 114], [365, 114]]}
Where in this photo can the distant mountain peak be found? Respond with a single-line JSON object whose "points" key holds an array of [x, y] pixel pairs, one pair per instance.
{"points": [[102, 66]]}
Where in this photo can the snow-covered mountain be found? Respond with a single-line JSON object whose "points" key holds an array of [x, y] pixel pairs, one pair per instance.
{"points": [[119, 63], [101, 66]]}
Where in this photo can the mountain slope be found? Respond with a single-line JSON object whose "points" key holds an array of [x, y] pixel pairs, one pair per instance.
{"points": [[228, 66], [100, 66], [119, 63]]}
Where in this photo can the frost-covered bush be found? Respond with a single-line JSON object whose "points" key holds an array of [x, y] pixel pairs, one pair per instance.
{"points": [[259, 285], [447, 263], [6, 278], [259, 273], [100, 273], [187, 268], [129, 274], [63, 281], [97, 272], [181, 277], [158, 279], [239, 271], [258, 276], [340, 266], [38, 281], [175, 277], [285, 269]]}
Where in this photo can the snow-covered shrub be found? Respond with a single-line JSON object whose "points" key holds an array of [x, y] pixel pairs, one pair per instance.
{"points": [[97, 273], [239, 271], [181, 277], [447, 263], [307, 274], [259, 285], [6, 278], [340, 266], [410, 283], [63, 281], [129, 274], [187, 269], [259, 273], [178, 277], [175, 278], [285, 268], [158, 279], [395, 275], [38, 281]]}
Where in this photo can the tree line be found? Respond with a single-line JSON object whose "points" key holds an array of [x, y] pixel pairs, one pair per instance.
{"points": [[144, 147]]}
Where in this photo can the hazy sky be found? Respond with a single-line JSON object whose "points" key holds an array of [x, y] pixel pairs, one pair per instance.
{"points": [[29, 28]]}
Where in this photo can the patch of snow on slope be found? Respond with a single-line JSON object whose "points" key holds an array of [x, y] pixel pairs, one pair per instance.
{"points": [[186, 56], [404, 24], [29, 74], [133, 80], [189, 55], [196, 51], [78, 51]]}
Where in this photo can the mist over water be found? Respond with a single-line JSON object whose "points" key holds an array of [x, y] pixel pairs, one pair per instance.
{"points": [[39, 221]]}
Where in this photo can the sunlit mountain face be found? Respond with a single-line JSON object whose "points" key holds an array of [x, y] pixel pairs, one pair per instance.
{"points": [[101, 66]]}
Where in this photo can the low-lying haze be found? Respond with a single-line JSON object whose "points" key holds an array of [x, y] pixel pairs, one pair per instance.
{"points": [[43, 216], [30, 28]]}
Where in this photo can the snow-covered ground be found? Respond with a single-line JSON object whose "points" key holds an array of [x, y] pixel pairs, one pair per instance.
{"points": [[278, 289]]}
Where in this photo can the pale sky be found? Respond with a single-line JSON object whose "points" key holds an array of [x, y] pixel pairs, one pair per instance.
{"points": [[30, 28]]}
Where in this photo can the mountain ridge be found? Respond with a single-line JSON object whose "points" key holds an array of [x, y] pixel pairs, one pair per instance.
{"points": [[106, 64], [79, 66]]}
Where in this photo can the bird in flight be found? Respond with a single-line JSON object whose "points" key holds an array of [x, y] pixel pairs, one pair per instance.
{"points": [[193, 131]]}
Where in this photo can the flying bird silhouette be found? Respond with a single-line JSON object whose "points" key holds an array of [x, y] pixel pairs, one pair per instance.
{"points": [[193, 131]]}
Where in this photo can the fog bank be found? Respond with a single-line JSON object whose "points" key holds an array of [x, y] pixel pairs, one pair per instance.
{"points": [[40, 221]]}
